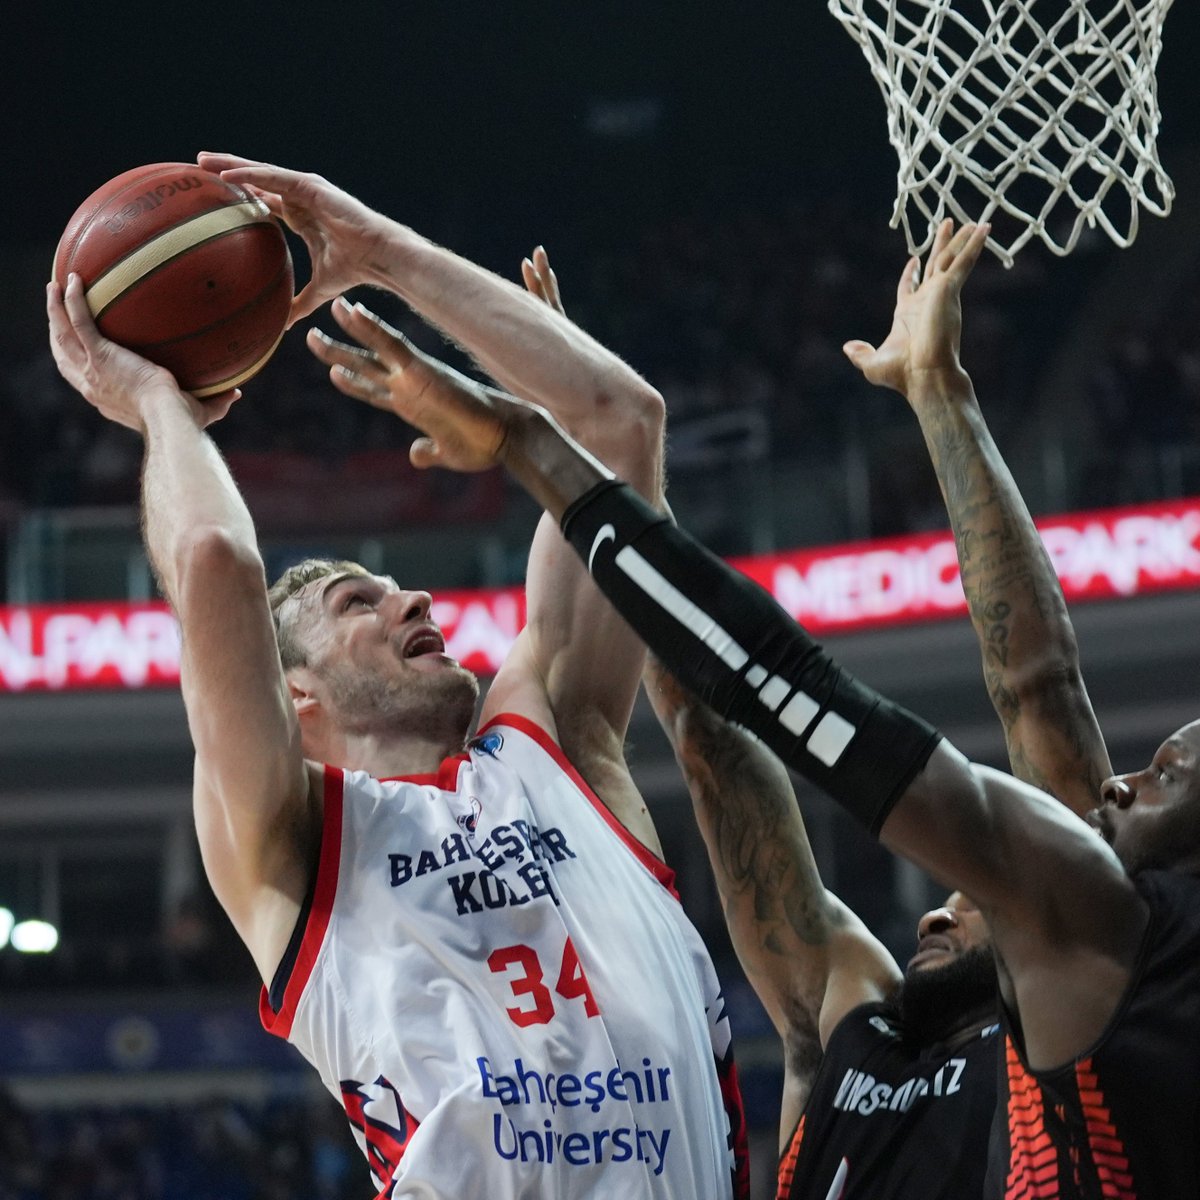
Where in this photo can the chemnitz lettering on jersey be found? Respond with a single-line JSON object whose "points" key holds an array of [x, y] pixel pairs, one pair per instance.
{"points": [[591, 1089], [860, 1092], [518, 843]]}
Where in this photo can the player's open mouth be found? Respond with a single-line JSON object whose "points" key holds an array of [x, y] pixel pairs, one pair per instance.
{"points": [[424, 641]]}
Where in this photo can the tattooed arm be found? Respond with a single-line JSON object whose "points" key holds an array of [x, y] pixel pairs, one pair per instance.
{"points": [[1030, 657], [808, 957]]}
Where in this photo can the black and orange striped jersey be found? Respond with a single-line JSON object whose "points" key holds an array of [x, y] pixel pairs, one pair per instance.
{"points": [[1122, 1122], [889, 1119]]}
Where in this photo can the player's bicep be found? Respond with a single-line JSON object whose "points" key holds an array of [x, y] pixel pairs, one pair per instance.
{"points": [[243, 725], [1043, 878], [575, 652]]}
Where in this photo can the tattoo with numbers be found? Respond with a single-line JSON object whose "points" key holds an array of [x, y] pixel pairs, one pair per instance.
{"points": [[1018, 610]]}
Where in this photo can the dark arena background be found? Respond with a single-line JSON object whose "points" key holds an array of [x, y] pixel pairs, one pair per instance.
{"points": [[713, 183]]}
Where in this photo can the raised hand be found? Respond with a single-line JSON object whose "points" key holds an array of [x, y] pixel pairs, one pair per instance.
{"points": [[927, 325], [540, 280], [343, 236], [465, 423], [115, 381]]}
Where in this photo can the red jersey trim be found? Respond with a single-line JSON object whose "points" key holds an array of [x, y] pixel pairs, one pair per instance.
{"points": [[445, 777], [787, 1164], [641, 852], [280, 1023]]}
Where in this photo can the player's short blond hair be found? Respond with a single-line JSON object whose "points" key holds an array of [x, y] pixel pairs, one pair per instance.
{"points": [[293, 580]]}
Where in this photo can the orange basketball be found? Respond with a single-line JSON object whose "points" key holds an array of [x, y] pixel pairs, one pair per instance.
{"points": [[189, 271]]}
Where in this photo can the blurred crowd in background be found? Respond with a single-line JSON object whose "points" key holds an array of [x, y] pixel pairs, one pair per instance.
{"points": [[730, 310], [211, 1150]]}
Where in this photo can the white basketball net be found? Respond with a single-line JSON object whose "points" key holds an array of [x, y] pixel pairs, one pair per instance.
{"points": [[1034, 110]]}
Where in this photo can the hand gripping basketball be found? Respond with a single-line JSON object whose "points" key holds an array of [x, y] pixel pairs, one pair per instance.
{"points": [[187, 270], [116, 381], [344, 237]]}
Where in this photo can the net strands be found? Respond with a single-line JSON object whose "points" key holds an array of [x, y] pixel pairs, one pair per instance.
{"points": [[1040, 116]]}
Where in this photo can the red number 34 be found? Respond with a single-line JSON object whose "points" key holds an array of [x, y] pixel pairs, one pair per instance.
{"points": [[523, 971]]}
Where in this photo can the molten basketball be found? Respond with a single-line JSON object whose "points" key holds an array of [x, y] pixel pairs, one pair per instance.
{"points": [[190, 272]]}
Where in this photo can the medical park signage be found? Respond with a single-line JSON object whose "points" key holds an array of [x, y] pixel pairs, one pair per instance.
{"points": [[834, 589]]}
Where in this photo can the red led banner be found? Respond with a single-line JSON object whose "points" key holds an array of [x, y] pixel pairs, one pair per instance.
{"points": [[1113, 553]]}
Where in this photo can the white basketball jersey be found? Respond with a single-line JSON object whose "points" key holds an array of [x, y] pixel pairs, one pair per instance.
{"points": [[500, 986]]}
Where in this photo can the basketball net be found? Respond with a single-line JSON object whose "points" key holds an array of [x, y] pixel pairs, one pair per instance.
{"points": [[1037, 115]]}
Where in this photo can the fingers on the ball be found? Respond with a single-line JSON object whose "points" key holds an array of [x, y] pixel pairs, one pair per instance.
{"points": [[262, 175], [218, 160], [63, 339], [75, 302]]}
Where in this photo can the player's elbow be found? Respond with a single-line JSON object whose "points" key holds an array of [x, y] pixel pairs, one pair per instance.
{"points": [[208, 554], [1052, 678], [632, 426]]}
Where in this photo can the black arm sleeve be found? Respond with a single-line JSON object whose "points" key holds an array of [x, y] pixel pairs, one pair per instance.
{"points": [[725, 638]]}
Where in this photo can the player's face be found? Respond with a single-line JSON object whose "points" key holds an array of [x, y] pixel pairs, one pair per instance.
{"points": [[1151, 817], [378, 656], [944, 934], [951, 980]]}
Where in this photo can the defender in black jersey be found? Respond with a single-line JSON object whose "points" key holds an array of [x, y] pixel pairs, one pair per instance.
{"points": [[1081, 948], [889, 1080]]}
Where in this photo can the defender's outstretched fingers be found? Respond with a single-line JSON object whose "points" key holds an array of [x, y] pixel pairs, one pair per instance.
{"points": [[954, 247], [937, 261], [969, 254], [353, 358], [360, 387], [910, 279], [393, 348]]}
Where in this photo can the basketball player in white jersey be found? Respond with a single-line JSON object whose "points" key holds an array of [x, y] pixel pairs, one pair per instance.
{"points": [[475, 942]]}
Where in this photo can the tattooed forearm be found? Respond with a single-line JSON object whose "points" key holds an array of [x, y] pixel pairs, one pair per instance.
{"points": [[1030, 658], [747, 811]]}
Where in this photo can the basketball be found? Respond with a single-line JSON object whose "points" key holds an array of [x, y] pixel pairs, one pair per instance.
{"points": [[189, 271]]}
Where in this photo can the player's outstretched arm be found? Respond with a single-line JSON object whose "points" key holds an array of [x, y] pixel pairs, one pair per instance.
{"points": [[1030, 657], [808, 957], [252, 797], [1065, 917], [528, 347]]}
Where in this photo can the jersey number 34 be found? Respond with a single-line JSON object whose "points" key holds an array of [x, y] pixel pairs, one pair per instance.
{"points": [[522, 970]]}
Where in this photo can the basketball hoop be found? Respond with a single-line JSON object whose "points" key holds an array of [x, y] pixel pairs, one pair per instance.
{"points": [[1037, 115]]}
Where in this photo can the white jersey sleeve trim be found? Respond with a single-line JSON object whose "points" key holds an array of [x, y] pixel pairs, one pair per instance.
{"points": [[655, 865], [280, 1023]]}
